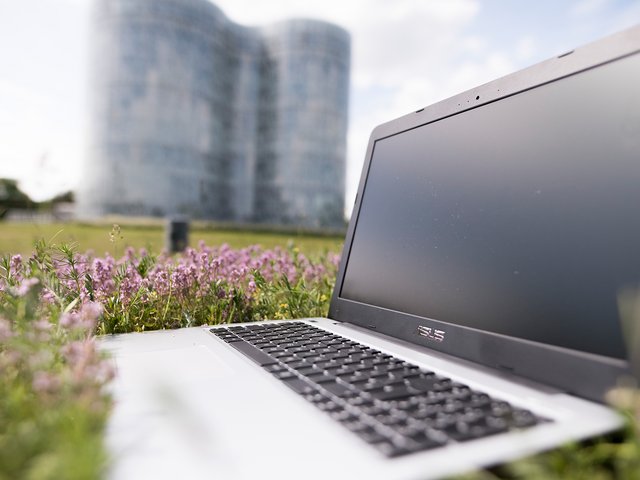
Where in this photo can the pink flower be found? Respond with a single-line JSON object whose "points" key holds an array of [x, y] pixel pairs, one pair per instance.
{"points": [[69, 320], [48, 296], [130, 284], [5, 330], [79, 352], [26, 285], [15, 266], [103, 273], [91, 311], [45, 382], [42, 325], [85, 319]]}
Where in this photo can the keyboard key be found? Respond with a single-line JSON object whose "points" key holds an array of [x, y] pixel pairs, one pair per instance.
{"points": [[343, 416], [421, 384], [253, 353], [316, 397], [307, 355], [523, 418], [355, 424], [372, 410], [500, 409], [389, 419], [329, 406], [359, 401], [276, 368], [390, 449], [335, 388], [298, 385], [320, 378], [326, 364], [285, 375], [479, 400], [297, 364], [308, 370], [370, 435], [233, 339]]}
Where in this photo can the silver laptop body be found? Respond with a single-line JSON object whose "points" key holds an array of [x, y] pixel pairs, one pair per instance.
{"points": [[491, 236]]}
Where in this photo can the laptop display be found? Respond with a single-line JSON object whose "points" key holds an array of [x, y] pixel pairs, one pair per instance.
{"points": [[516, 217]]}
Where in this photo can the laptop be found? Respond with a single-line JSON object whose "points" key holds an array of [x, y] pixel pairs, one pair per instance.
{"points": [[475, 316]]}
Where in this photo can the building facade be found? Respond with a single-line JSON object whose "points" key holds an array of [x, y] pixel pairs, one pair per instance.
{"points": [[195, 115]]}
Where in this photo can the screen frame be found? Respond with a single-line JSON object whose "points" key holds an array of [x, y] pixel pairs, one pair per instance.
{"points": [[584, 374]]}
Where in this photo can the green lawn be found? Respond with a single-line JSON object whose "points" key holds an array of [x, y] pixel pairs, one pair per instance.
{"points": [[20, 237]]}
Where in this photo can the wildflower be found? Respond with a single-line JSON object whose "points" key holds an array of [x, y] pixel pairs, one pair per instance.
{"points": [[103, 271], [85, 319], [26, 285], [102, 372], [39, 359], [78, 352], [5, 330], [129, 255], [45, 382], [130, 284], [15, 266], [86, 366], [69, 320], [91, 312], [115, 234], [42, 325], [48, 296], [10, 358]]}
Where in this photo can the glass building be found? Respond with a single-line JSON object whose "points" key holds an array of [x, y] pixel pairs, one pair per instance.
{"points": [[192, 114]]}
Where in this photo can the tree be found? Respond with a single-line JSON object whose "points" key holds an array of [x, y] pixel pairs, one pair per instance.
{"points": [[12, 197]]}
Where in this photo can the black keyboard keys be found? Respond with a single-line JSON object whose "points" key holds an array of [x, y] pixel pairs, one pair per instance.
{"points": [[395, 406]]}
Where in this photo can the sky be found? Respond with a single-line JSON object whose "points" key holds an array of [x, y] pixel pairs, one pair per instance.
{"points": [[406, 54]]}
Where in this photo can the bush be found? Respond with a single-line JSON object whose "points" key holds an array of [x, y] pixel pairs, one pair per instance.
{"points": [[53, 404], [53, 407], [202, 286]]}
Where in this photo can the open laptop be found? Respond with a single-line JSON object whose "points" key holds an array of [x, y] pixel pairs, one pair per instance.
{"points": [[475, 315]]}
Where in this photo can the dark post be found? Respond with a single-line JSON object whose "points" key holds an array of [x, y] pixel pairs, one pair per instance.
{"points": [[177, 234]]}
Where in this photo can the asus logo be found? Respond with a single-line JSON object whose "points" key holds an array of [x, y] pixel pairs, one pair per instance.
{"points": [[431, 333]]}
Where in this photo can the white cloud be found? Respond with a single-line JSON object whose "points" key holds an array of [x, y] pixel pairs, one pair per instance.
{"points": [[393, 49], [627, 18], [588, 7], [474, 44], [38, 146], [525, 48], [42, 87]]}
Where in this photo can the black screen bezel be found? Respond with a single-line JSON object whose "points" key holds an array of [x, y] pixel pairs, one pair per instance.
{"points": [[581, 373]]}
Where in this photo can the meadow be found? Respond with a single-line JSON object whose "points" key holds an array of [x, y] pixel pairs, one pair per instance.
{"points": [[78, 281], [20, 237]]}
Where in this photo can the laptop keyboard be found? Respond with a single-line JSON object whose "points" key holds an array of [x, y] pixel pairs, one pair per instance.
{"points": [[391, 404]]}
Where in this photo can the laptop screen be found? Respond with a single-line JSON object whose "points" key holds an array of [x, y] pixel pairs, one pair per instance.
{"points": [[518, 217]]}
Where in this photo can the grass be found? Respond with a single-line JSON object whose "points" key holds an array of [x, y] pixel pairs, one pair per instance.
{"points": [[21, 237], [53, 407]]}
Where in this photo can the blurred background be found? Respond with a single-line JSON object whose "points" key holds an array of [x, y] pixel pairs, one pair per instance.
{"points": [[243, 115]]}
